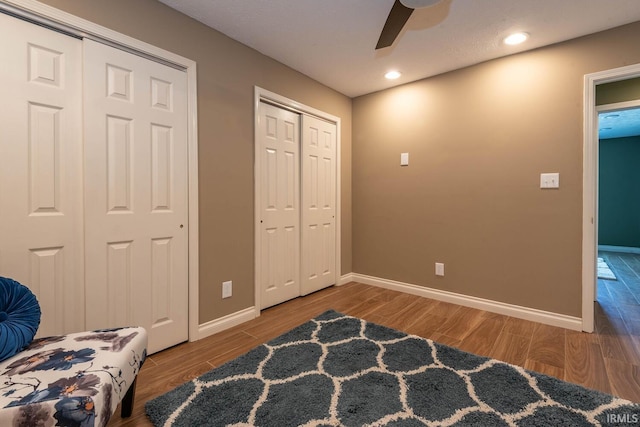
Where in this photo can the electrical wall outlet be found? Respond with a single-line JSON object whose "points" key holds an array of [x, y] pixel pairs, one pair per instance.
{"points": [[227, 289], [439, 269]]}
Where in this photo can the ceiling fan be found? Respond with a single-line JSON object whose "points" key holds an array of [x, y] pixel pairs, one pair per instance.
{"points": [[398, 17]]}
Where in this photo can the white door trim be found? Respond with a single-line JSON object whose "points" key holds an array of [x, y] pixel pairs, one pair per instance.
{"points": [[261, 94], [590, 184], [51, 17]]}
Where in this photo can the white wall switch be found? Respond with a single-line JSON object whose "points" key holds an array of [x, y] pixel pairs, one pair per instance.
{"points": [[439, 269], [549, 180], [404, 159], [227, 289]]}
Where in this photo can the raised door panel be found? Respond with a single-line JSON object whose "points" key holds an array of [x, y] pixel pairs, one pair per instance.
{"points": [[119, 163], [41, 169], [136, 216], [46, 280], [161, 167]]}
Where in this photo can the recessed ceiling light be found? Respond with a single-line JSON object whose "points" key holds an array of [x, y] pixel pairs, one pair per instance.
{"points": [[516, 38], [606, 128], [612, 116], [392, 75]]}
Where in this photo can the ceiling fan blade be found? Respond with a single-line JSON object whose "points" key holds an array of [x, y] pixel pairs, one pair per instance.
{"points": [[398, 16]]}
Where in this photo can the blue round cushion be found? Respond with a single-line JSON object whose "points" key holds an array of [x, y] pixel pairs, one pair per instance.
{"points": [[19, 317]]}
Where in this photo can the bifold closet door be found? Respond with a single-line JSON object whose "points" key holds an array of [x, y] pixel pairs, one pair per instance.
{"points": [[136, 194], [41, 169], [319, 142], [279, 160]]}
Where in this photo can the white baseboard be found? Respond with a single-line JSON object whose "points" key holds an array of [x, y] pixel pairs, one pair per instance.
{"points": [[346, 278], [623, 249], [535, 315], [226, 322]]}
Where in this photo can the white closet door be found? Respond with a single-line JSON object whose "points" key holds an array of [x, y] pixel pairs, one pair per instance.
{"points": [[318, 204], [136, 194], [278, 139], [41, 169]]}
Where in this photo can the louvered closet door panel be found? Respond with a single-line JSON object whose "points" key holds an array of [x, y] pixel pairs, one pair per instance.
{"points": [[279, 138], [136, 192], [41, 169], [319, 143]]}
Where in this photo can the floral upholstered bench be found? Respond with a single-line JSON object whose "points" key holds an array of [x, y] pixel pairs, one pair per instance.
{"points": [[72, 380]]}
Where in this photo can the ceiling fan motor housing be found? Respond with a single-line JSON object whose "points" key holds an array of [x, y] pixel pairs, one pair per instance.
{"points": [[417, 4]]}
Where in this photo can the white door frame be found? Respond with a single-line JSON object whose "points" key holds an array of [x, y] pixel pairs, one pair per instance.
{"points": [[54, 18], [590, 184], [261, 94]]}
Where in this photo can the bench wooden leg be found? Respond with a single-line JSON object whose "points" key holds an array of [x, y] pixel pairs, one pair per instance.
{"points": [[127, 402]]}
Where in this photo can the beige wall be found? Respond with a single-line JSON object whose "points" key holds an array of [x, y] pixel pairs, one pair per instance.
{"points": [[478, 140], [227, 73]]}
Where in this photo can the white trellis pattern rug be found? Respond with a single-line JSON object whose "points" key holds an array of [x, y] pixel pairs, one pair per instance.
{"points": [[338, 370]]}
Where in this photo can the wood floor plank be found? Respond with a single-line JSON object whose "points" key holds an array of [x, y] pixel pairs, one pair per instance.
{"points": [[633, 325], [443, 309], [622, 294], [446, 340], [481, 339], [511, 348], [426, 326], [630, 312], [365, 308], [548, 345], [397, 304], [520, 327], [606, 308], [624, 378], [602, 290], [543, 368], [423, 307], [374, 318], [615, 340], [275, 329], [406, 316], [199, 350], [386, 295], [365, 295], [464, 321], [585, 363], [161, 379]]}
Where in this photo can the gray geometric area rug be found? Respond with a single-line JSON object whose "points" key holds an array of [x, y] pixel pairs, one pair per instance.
{"points": [[604, 271], [338, 370]]}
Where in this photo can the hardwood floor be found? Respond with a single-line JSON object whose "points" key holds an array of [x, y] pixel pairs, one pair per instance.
{"points": [[618, 323], [607, 360]]}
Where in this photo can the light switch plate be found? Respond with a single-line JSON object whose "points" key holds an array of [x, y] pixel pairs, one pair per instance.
{"points": [[550, 180], [404, 159], [439, 269], [227, 289]]}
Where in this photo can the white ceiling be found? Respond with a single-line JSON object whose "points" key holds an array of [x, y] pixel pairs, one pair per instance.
{"points": [[619, 124], [332, 41]]}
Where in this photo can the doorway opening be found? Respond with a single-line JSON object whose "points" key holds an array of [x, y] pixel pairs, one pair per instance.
{"points": [[618, 214], [590, 182]]}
